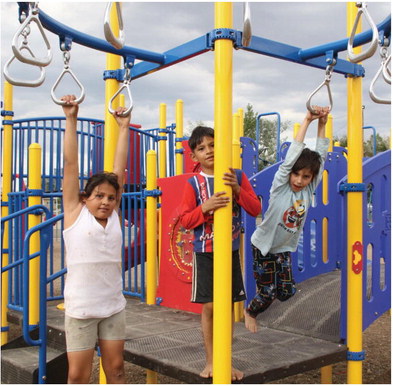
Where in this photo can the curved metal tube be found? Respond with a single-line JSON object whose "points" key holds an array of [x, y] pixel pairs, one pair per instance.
{"points": [[356, 58], [43, 61], [60, 102], [386, 73], [308, 103], [129, 109], [247, 32], [371, 92], [109, 35], [23, 83]]}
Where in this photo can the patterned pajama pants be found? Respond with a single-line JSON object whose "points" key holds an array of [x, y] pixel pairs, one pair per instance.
{"points": [[273, 276]]}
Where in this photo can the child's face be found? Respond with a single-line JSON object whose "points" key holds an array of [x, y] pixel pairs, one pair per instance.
{"points": [[204, 154], [102, 201], [300, 179]]}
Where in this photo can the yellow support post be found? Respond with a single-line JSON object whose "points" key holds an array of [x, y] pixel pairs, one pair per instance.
{"points": [[326, 375], [6, 188], [162, 143], [354, 217], [151, 377], [236, 163], [325, 192], [151, 228], [241, 115], [222, 279], [111, 87], [296, 127], [34, 183], [179, 136]]}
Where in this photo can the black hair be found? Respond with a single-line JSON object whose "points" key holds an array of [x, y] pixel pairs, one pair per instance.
{"points": [[308, 159], [98, 179], [198, 134]]}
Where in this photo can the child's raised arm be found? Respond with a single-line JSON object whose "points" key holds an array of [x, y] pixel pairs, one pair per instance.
{"points": [[70, 154], [121, 154]]}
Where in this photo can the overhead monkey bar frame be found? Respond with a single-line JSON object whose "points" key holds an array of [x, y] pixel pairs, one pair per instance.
{"points": [[152, 61]]}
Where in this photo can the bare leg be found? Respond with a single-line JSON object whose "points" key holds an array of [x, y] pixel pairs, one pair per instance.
{"points": [[112, 360], [237, 375], [250, 322], [207, 331], [79, 366]]}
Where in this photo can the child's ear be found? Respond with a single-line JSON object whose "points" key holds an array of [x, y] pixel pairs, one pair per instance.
{"points": [[193, 157]]}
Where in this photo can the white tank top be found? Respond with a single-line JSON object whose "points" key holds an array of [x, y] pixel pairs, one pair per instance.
{"points": [[93, 286]]}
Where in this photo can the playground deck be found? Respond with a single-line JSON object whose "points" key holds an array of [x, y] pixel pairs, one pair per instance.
{"points": [[170, 342]]}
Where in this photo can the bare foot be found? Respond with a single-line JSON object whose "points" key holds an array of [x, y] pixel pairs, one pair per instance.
{"points": [[207, 372], [237, 375], [250, 322]]}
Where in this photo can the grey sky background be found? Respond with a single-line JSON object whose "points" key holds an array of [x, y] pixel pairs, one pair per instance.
{"points": [[268, 84]]}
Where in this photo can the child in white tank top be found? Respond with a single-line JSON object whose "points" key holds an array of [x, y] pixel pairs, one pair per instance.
{"points": [[94, 302]]}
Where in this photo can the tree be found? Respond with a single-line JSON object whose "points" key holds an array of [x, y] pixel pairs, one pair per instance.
{"points": [[267, 143], [383, 144]]}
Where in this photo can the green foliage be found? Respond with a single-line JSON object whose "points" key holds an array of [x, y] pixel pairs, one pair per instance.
{"points": [[383, 144], [267, 143]]}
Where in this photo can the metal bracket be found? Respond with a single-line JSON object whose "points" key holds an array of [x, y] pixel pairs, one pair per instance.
{"points": [[353, 187], [356, 355], [225, 33], [4, 113], [114, 74], [179, 151], [151, 193]]}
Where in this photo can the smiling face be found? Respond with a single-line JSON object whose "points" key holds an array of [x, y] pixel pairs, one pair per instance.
{"points": [[300, 179], [101, 202], [204, 154]]}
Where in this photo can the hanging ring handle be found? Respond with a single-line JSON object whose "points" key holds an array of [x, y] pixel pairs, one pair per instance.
{"points": [[23, 83], [125, 86], [65, 71], [356, 58], [372, 94], [386, 73], [247, 32], [326, 82], [35, 61], [109, 35]]}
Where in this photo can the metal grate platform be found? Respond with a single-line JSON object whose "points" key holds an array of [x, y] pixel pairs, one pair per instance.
{"points": [[295, 336]]}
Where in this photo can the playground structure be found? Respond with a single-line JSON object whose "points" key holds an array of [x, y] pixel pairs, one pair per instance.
{"points": [[24, 251]]}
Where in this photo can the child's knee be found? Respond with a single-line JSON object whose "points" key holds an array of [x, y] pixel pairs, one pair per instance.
{"points": [[286, 293]]}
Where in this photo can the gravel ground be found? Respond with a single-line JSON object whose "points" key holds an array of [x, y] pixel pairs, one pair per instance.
{"points": [[376, 366]]}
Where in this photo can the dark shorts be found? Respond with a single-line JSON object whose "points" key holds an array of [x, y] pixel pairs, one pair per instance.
{"points": [[202, 278]]}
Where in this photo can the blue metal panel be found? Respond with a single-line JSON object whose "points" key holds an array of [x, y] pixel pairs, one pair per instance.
{"points": [[376, 232]]}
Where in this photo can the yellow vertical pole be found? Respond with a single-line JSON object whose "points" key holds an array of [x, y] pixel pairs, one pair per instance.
{"points": [[354, 211], [241, 127], [151, 228], [34, 183], [151, 377], [111, 87], [111, 127], [162, 143], [179, 136], [6, 188], [326, 375], [296, 127], [236, 163], [222, 275]]}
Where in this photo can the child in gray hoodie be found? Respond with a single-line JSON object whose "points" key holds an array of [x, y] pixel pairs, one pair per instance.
{"points": [[278, 235]]}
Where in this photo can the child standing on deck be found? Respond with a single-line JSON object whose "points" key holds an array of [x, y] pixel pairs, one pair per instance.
{"points": [[94, 302], [198, 206], [277, 236]]}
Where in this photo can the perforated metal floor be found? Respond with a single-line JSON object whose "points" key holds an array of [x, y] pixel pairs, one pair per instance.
{"points": [[295, 336]]}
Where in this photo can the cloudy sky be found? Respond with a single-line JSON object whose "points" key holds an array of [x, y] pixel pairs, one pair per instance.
{"points": [[268, 84]]}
